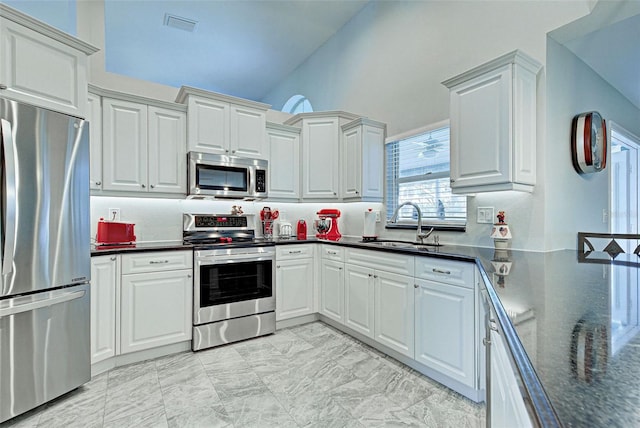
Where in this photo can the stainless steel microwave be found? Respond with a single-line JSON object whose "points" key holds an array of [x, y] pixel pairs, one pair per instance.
{"points": [[225, 176]]}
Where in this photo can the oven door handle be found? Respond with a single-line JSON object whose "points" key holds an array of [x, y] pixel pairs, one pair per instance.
{"points": [[236, 258]]}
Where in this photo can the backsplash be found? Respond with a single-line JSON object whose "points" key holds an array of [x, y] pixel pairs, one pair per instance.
{"points": [[161, 219]]}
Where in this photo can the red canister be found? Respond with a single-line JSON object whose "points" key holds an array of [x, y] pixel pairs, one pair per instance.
{"points": [[302, 230]]}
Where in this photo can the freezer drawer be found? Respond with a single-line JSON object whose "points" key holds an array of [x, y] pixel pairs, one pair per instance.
{"points": [[44, 347]]}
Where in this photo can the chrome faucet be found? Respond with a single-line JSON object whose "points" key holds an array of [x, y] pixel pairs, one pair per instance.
{"points": [[420, 237]]}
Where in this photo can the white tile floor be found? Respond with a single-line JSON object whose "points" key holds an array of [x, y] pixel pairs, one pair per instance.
{"points": [[306, 376]]}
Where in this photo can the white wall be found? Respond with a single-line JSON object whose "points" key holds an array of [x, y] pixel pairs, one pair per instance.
{"points": [[576, 201]]}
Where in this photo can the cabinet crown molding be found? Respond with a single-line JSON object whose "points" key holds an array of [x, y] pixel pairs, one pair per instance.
{"points": [[313, 115], [46, 30], [109, 93], [516, 57], [186, 91], [281, 127], [363, 121]]}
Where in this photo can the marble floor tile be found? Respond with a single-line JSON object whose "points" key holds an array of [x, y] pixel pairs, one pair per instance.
{"points": [[306, 376], [152, 418]]}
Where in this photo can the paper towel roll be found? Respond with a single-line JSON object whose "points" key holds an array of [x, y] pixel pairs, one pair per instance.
{"points": [[369, 224]]}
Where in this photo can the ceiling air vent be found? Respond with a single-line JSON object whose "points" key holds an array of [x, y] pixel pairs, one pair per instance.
{"points": [[180, 23]]}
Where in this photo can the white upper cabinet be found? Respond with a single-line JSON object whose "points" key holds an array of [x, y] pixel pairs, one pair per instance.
{"points": [[493, 125], [143, 146], [42, 65], [224, 125], [362, 160], [124, 145], [94, 116], [321, 135], [167, 150], [283, 144]]}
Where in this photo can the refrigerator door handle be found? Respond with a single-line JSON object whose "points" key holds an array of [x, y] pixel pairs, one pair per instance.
{"points": [[6, 310], [11, 195]]}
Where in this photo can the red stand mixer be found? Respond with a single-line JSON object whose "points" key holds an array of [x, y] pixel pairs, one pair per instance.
{"points": [[327, 225]]}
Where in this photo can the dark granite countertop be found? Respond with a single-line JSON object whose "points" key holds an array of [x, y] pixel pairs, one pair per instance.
{"points": [[546, 298], [139, 246]]}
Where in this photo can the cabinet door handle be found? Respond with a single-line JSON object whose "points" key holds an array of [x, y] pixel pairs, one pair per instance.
{"points": [[332, 252], [416, 286], [370, 275], [339, 268], [188, 275], [278, 266], [226, 150], [113, 259], [334, 193], [152, 186], [295, 252], [158, 262], [451, 180], [98, 183], [446, 272], [143, 186], [233, 151], [375, 276], [3, 86], [485, 341], [357, 193]]}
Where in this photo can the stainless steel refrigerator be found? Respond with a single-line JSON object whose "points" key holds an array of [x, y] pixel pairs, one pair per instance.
{"points": [[45, 263]]}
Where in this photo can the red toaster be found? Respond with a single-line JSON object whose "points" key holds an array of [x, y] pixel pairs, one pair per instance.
{"points": [[114, 232]]}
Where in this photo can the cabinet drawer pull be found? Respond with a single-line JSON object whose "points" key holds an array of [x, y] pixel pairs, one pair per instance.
{"points": [[332, 252], [446, 272], [113, 259], [416, 286], [295, 252], [158, 262]]}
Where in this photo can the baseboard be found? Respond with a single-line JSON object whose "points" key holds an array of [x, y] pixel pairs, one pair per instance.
{"points": [[292, 322], [136, 357]]}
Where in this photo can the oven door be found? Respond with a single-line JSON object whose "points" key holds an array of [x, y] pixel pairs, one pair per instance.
{"points": [[233, 283]]}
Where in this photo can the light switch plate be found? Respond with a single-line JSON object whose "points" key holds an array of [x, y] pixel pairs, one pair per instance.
{"points": [[485, 215]]}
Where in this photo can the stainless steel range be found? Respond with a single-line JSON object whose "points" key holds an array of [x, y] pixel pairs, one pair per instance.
{"points": [[234, 280]]}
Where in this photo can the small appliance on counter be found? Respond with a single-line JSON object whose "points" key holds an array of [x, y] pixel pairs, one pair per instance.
{"points": [[369, 233], [327, 225], [115, 233], [302, 230]]}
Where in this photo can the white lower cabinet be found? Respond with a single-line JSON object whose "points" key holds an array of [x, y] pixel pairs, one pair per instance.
{"points": [[507, 407], [156, 309], [146, 309], [105, 303], [445, 329], [332, 290], [294, 281], [358, 299], [394, 312]]}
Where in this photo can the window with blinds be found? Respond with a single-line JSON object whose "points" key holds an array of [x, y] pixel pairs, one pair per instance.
{"points": [[418, 171]]}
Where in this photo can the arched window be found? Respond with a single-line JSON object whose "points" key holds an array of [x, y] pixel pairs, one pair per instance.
{"points": [[297, 104]]}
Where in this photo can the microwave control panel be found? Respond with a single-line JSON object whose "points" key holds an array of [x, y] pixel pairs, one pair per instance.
{"points": [[261, 181]]}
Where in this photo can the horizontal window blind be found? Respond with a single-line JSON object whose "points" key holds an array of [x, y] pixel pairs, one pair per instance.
{"points": [[418, 171]]}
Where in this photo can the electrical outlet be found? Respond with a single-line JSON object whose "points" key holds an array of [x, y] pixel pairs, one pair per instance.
{"points": [[378, 220], [485, 215], [114, 214]]}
